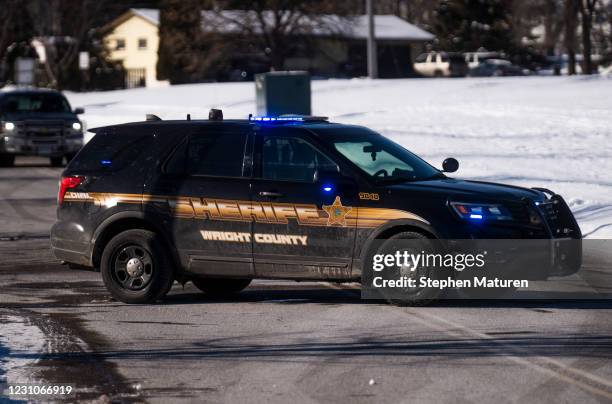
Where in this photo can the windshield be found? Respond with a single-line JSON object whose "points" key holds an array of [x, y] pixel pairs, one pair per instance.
{"points": [[35, 102], [382, 159]]}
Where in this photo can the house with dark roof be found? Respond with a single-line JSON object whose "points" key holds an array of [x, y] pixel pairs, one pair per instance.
{"points": [[339, 51]]}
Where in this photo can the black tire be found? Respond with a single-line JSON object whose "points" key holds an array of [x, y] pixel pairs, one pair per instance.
{"points": [[152, 270], [487, 293], [7, 160], [57, 161], [438, 74], [409, 296], [220, 287], [69, 157]]}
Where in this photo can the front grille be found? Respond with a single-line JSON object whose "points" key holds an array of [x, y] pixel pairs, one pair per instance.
{"points": [[519, 212], [44, 124], [45, 134], [42, 129], [559, 218]]}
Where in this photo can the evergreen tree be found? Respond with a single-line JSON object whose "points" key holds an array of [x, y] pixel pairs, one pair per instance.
{"points": [[468, 25], [180, 40]]}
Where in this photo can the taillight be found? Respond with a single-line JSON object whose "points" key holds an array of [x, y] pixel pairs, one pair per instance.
{"points": [[67, 183]]}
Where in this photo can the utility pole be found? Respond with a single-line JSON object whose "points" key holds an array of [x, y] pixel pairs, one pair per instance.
{"points": [[372, 55]]}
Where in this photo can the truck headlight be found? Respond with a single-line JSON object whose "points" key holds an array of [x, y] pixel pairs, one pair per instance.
{"points": [[9, 126], [77, 126], [481, 211]]}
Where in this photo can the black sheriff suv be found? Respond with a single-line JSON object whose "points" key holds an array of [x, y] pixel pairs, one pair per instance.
{"points": [[221, 202]]}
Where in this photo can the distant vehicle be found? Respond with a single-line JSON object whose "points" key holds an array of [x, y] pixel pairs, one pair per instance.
{"points": [[38, 122], [473, 59], [441, 64], [496, 68]]}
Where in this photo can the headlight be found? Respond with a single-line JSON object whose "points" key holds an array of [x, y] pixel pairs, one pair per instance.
{"points": [[481, 211], [9, 125], [77, 126]]}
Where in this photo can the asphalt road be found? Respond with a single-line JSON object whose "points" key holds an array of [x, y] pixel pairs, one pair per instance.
{"points": [[278, 341]]}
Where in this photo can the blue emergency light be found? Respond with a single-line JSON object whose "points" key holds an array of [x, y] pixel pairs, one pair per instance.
{"points": [[287, 119]]}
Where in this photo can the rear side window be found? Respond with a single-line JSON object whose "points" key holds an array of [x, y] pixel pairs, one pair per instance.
{"points": [[292, 159], [214, 154], [111, 151]]}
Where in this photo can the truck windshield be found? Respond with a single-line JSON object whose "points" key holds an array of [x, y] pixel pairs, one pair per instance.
{"points": [[382, 159], [35, 102]]}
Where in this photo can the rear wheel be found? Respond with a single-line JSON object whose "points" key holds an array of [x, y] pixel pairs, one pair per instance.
{"points": [[7, 160], [136, 267], [219, 287], [57, 161]]}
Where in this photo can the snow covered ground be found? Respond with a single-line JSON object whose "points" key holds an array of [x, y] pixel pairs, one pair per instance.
{"points": [[553, 132]]}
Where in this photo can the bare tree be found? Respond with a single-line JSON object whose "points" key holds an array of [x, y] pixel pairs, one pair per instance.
{"points": [[570, 19], [64, 27], [277, 27], [15, 33], [587, 10]]}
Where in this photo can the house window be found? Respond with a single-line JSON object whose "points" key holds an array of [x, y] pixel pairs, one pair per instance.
{"points": [[120, 44], [142, 43]]}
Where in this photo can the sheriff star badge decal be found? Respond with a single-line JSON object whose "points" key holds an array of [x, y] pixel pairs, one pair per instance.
{"points": [[336, 213]]}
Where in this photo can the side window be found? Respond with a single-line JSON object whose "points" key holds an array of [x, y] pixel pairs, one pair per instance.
{"points": [[422, 58], [219, 155], [111, 151], [292, 159], [120, 44], [444, 57]]}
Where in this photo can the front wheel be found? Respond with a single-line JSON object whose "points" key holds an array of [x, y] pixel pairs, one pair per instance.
{"points": [[69, 157], [411, 243], [136, 267], [221, 287], [7, 160], [57, 161]]}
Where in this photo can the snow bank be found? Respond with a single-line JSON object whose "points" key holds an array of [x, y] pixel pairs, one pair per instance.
{"points": [[21, 346], [554, 132]]}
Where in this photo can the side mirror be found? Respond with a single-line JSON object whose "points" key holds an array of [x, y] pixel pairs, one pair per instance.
{"points": [[450, 165], [79, 110]]}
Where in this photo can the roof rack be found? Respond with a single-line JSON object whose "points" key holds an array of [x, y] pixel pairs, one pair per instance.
{"points": [[287, 118]]}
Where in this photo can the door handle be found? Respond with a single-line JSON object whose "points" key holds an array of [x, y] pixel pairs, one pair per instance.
{"points": [[270, 194]]}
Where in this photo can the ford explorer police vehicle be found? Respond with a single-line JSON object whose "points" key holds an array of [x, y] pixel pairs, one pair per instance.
{"points": [[38, 122], [221, 202]]}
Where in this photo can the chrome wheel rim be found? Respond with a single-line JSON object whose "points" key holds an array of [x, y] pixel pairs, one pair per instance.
{"points": [[132, 267]]}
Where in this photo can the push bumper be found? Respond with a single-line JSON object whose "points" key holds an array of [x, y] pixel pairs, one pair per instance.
{"points": [[30, 147]]}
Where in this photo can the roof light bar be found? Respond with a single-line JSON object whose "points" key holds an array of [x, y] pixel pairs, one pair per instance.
{"points": [[287, 118], [276, 119]]}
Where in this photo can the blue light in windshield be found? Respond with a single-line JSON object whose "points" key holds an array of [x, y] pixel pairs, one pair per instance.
{"points": [[475, 216], [106, 162], [328, 188]]}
